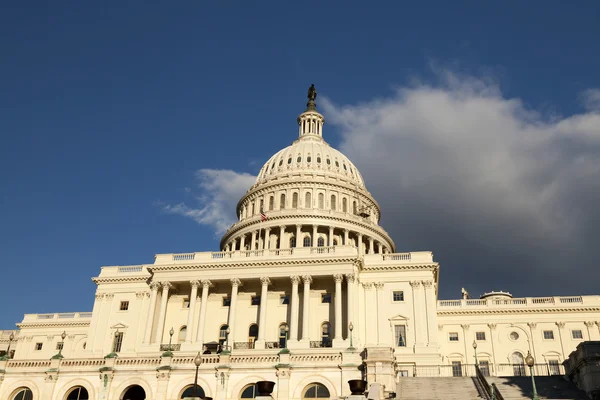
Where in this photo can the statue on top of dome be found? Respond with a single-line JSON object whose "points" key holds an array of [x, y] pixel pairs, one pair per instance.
{"points": [[312, 95], [312, 92]]}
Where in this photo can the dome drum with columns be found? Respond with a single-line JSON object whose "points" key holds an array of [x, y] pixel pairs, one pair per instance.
{"points": [[311, 195]]}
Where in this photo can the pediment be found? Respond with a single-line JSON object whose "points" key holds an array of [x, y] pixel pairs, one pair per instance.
{"points": [[119, 325], [398, 318]]}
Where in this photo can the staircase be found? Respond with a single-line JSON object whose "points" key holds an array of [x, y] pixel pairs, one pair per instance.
{"points": [[548, 387], [458, 388]]}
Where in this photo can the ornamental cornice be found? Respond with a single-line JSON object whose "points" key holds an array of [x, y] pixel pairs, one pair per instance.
{"points": [[51, 324], [413, 267], [519, 311], [115, 279], [258, 263]]}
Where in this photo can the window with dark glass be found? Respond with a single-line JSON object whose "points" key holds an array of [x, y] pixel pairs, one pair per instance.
{"points": [[124, 306], [255, 300], [325, 298]]}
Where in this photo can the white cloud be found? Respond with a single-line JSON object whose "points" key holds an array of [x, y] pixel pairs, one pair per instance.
{"points": [[591, 99], [220, 191]]}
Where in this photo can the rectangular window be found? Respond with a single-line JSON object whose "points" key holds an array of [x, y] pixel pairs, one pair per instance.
{"points": [[456, 368], [480, 335], [284, 299], [325, 298], [554, 367], [453, 336], [226, 301], [186, 302], [400, 333], [255, 301], [484, 367], [397, 295], [59, 346], [549, 335], [124, 306], [577, 334], [117, 342], [38, 346]]}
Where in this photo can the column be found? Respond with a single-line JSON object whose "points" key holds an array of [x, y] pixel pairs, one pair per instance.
{"points": [[243, 242], [561, 326], [281, 236], [371, 245], [162, 313], [532, 326], [360, 244], [330, 237], [417, 312], [298, 236], [295, 308], [378, 294], [591, 331], [492, 329], [262, 325], [190, 320], [200, 334], [350, 278], [307, 279], [253, 245], [465, 328], [338, 278], [430, 313], [379, 248], [267, 241], [313, 241], [371, 317], [235, 283], [346, 238], [152, 309]]}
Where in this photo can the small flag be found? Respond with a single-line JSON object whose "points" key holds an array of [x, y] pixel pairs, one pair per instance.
{"points": [[263, 216]]}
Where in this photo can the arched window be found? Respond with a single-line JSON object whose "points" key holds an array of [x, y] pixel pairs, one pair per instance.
{"points": [[271, 203], [325, 334], [328, 161], [320, 242], [315, 391], [321, 201], [281, 162], [295, 200], [283, 331], [23, 394], [307, 200], [182, 333], [318, 159], [518, 364], [344, 205], [282, 201], [223, 334], [354, 210], [252, 335], [306, 242], [337, 164], [78, 393], [189, 392], [335, 242], [252, 208], [290, 160], [249, 392], [308, 159], [134, 392], [333, 202], [292, 242], [299, 159]]}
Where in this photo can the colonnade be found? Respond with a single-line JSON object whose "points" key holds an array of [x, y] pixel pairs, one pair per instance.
{"points": [[279, 237], [197, 326]]}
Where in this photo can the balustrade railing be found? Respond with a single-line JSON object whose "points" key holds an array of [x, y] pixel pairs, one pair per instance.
{"points": [[243, 345], [271, 345], [322, 250], [315, 344], [519, 302]]}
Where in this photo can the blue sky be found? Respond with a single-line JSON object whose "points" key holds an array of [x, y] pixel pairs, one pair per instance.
{"points": [[108, 110]]}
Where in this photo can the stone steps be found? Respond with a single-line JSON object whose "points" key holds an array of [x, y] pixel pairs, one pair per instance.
{"points": [[548, 387], [458, 388]]}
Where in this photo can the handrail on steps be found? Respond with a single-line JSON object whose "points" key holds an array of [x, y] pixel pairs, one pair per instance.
{"points": [[491, 391]]}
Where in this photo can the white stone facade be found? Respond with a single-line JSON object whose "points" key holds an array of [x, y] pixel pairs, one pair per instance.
{"points": [[287, 287]]}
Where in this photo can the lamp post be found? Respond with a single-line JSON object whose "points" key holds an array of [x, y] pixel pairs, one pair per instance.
{"points": [[226, 351], [475, 350], [197, 362], [530, 362], [351, 328], [62, 344], [287, 331], [171, 332], [7, 355]]}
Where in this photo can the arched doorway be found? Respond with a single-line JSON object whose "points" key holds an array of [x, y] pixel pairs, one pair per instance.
{"points": [[248, 392], [252, 335], [189, 392], [23, 393], [182, 334], [134, 392], [283, 332], [78, 393], [315, 391], [518, 364]]}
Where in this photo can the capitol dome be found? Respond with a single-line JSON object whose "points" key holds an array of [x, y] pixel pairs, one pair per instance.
{"points": [[308, 195]]}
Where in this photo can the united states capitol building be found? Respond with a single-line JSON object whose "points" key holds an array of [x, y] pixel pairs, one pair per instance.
{"points": [[307, 290]]}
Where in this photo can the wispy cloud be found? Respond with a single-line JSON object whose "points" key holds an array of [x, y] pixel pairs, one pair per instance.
{"points": [[220, 191], [591, 99]]}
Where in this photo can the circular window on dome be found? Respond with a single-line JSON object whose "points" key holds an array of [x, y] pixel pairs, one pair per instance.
{"points": [[513, 335], [308, 159], [318, 160], [299, 159], [328, 161]]}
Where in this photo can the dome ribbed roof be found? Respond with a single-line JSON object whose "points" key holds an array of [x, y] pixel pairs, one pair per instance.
{"points": [[310, 155]]}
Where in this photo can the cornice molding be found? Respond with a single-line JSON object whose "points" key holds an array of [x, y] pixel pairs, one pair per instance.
{"points": [[520, 311], [116, 279], [51, 324]]}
